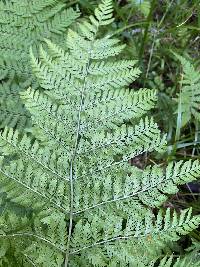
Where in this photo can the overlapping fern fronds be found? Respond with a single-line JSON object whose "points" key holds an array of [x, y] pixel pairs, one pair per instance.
{"points": [[24, 24], [88, 205]]}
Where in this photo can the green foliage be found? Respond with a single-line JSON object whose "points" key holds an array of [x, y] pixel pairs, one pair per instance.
{"points": [[88, 206], [188, 260], [189, 97], [12, 111], [24, 24], [142, 5], [170, 26]]}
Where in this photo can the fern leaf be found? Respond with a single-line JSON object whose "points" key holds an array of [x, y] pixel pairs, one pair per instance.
{"points": [[189, 97], [25, 24], [186, 261], [91, 207]]}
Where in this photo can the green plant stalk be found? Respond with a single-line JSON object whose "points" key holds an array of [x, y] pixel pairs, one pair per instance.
{"points": [[149, 20]]}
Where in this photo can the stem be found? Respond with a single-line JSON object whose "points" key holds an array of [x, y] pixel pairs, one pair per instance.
{"points": [[149, 18], [179, 116], [72, 167], [126, 27], [150, 58]]}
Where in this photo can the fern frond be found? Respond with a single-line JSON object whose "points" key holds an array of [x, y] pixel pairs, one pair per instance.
{"points": [[146, 237], [189, 97], [24, 24], [102, 16], [12, 111], [91, 207], [18, 239], [186, 261]]}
